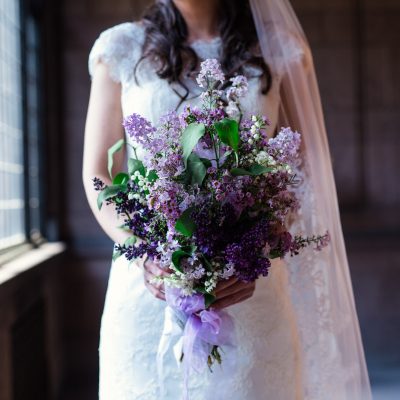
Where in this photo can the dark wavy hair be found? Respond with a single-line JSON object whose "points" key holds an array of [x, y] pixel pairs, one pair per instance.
{"points": [[165, 42]]}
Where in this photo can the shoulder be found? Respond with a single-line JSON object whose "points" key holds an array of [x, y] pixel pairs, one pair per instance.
{"points": [[122, 33], [117, 45], [286, 49]]}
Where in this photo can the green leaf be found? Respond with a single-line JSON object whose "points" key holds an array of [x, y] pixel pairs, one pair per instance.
{"points": [[152, 176], [190, 137], [116, 254], [109, 191], [209, 299], [136, 165], [185, 225], [240, 172], [177, 256], [206, 162], [189, 249], [200, 289], [228, 132], [130, 241], [257, 169], [124, 228], [111, 151], [206, 263], [274, 254], [121, 179], [196, 169], [254, 170]]}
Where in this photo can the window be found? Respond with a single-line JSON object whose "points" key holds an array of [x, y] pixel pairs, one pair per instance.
{"points": [[19, 126]]}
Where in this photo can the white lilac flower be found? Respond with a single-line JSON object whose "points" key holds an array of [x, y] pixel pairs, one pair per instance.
{"points": [[239, 87], [228, 271], [265, 159], [232, 110], [210, 74]]}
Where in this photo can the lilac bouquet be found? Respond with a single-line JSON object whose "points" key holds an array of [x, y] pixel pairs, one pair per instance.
{"points": [[208, 201]]}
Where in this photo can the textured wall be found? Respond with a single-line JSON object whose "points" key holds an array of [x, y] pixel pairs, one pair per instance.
{"points": [[355, 46]]}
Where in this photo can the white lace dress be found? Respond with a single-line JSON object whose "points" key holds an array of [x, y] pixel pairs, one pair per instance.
{"points": [[266, 363]]}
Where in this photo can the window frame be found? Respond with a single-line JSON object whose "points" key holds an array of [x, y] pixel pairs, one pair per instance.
{"points": [[29, 14]]}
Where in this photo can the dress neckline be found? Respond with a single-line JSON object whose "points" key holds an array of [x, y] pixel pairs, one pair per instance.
{"points": [[216, 40]]}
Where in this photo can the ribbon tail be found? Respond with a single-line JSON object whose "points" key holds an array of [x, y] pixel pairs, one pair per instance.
{"points": [[173, 328]]}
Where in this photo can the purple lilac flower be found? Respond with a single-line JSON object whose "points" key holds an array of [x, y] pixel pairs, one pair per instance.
{"points": [[164, 198], [98, 184], [246, 254], [138, 128], [214, 224], [210, 74], [286, 145], [171, 125]]}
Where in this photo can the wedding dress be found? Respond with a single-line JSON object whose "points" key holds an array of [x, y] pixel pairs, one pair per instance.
{"points": [[268, 361]]}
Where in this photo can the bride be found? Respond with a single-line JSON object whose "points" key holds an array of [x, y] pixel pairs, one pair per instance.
{"points": [[297, 330]]}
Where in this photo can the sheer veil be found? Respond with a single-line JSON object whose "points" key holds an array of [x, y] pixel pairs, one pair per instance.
{"points": [[320, 283]]}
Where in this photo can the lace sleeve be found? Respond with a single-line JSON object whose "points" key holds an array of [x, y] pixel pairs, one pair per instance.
{"points": [[117, 47], [285, 48]]}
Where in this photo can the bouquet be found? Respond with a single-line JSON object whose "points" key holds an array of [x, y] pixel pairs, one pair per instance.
{"points": [[208, 201]]}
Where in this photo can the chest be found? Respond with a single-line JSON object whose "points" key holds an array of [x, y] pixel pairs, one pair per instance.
{"points": [[152, 97]]}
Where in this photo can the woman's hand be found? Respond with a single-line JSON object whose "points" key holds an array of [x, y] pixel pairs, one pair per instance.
{"points": [[152, 270], [232, 291]]}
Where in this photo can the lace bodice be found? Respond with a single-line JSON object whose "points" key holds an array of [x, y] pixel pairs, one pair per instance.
{"points": [[120, 49]]}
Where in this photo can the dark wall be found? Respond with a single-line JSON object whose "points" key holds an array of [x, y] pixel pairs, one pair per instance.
{"points": [[357, 57]]}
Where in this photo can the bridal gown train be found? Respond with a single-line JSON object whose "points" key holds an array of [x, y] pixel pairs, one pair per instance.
{"points": [[266, 363]]}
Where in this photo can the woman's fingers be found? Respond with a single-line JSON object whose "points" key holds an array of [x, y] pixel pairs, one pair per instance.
{"points": [[222, 285], [151, 271], [231, 300], [234, 293], [155, 288], [235, 287], [154, 291], [154, 268]]}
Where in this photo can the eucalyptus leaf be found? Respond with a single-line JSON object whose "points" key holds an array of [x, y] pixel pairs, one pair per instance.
{"points": [[190, 137], [109, 191], [136, 165], [117, 146], [228, 131], [184, 224]]}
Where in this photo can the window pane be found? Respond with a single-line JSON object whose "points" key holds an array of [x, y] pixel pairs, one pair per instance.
{"points": [[33, 123], [12, 229]]}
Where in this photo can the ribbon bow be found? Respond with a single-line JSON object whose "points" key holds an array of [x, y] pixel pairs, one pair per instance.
{"points": [[197, 331]]}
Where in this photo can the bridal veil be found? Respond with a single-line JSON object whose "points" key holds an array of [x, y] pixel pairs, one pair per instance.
{"points": [[321, 290]]}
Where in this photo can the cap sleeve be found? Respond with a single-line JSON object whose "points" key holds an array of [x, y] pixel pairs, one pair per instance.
{"points": [[117, 47]]}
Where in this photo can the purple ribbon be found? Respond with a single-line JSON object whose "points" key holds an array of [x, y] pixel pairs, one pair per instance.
{"points": [[203, 329]]}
